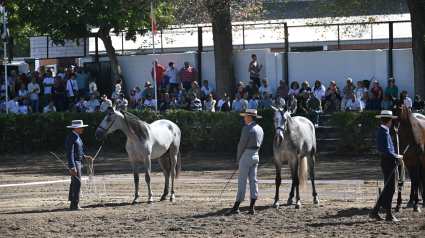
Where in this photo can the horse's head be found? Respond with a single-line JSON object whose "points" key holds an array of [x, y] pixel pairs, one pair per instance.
{"points": [[280, 123], [109, 124], [398, 106]]}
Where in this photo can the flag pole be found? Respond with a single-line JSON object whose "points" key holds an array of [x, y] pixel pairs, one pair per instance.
{"points": [[5, 58], [154, 64]]}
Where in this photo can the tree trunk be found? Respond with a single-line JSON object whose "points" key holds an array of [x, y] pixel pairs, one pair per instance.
{"points": [[417, 17], [103, 34], [219, 10]]}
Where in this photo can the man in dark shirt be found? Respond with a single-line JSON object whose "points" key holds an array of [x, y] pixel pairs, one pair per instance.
{"points": [[58, 94], [302, 103], [374, 103], [225, 107], [251, 88], [314, 106], [418, 104]]}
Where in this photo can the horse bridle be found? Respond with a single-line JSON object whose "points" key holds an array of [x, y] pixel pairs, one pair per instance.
{"points": [[280, 128], [125, 118]]}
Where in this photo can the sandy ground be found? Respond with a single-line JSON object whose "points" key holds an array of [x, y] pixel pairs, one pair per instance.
{"points": [[41, 210]]}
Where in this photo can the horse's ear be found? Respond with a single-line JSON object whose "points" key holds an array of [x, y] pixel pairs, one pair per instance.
{"points": [[391, 97], [274, 109], [111, 109]]}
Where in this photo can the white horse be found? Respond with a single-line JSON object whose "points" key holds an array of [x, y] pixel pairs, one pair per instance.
{"points": [[146, 142], [295, 142]]}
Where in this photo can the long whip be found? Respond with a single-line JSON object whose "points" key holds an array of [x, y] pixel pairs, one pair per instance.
{"points": [[97, 196], [227, 183], [90, 168]]}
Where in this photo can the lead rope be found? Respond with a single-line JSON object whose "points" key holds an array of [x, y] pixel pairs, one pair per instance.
{"points": [[400, 176], [90, 168]]}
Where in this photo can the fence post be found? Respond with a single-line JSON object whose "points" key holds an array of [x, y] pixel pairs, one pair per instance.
{"points": [[243, 36], [339, 43], [96, 53], [390, 51], [286, 66], [200, 49], [122, 43]]}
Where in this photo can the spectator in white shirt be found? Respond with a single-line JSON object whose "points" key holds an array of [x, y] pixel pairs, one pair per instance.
{"points": [[121, 103], [93, 87], [265, 88], [237, 102], [50, 107], [81, 106], [48, 82], [407, 100], [205, 90], [149, 103], [13, 105], [354, 104], [320, 91], [92, 103], [105, 103], [171, 73], [139, 93], [220, 103], [71, 90], [23, 93], [34, 90]]}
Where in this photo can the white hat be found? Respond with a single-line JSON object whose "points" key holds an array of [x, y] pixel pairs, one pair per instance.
{"points": [[386, 113], [250, 112], [77, 124]]}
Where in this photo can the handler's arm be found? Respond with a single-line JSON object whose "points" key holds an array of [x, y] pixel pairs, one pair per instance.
{"points": [[70, 152], [243, 142], [387, 152]]}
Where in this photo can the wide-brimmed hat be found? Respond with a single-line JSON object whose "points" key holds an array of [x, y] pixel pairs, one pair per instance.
{"points": [[386, 113], [250, 112], [77, 124], [147, 84]]}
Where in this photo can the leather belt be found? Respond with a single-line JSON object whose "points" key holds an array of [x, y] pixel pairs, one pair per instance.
{"points": [[380, 153], [252, 148]]}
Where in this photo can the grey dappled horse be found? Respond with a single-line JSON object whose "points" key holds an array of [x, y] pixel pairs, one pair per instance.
{"points": [[295, 142], [144, 143]]}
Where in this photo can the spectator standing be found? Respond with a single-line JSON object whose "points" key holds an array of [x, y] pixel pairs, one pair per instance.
{"points": [[244, 102], [12, 77], [117, 91], [236, 105], [172, 75], [187, 75], [3, 87], [133, 101], [81, 106], [265, 88], [159, 93], [240, 89], [265, 102], [354, 104], [149, 103], [160, 70], [251, 88], [254, 70], [48, 82], [122, 103], [82, 80], [314, 105], [407, 100], [17, 84], [391, 88], [302, 102], [105, 103], [66, 77], [2, 105], [24, 79], [295, 89], [149, 90], [49, 108], [71, 91], [61, 72], [361, 93], [92, 104], [93, 87], [347, 91], [195, 104], [283, 90], [58, 94], [304, 87], [374, 103], [418, 104], [183, 104], [205, 90], [292, 103], [209, 103], [23, 106], [226, 105], [386, 103], [252, 104], [376, 88], [332, 99], [221, 102], [320, 91], [34, 90], [13, 105], [23, 93]]}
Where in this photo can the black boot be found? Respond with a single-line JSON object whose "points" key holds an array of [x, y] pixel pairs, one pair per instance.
{"points": [[375, 213], [76, 207], [251, 207], [234, 210], [390, 216]]}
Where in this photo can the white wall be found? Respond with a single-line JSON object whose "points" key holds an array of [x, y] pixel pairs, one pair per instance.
{"points": [[305, 66]]}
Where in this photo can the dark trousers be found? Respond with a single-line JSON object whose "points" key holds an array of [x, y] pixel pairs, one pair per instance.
{"points": [[386, 197], [59, 105], [257, 81], [82, 92], [187, 86], [74, 189], [174, 87]]}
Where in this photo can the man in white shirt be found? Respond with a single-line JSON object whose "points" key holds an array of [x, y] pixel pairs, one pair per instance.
{"points": [[149, 103], [237, 102], [61, 73], [48, 82], [92, 103], [81, 106], [13, 105], [220, 103], [172, 74], [354, 104], [105, 103], [122, 102], [407, 100], [139, 93], [265, 88], [71, 90], [50, 108], [34, 90]]}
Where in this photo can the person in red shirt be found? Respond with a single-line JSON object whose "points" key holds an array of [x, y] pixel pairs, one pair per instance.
{"points": [[187, 75], [159, 73], [377, 89]]}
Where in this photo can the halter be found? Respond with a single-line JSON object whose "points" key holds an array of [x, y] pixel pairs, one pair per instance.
{"points": [[100, 127], [280, 128]]}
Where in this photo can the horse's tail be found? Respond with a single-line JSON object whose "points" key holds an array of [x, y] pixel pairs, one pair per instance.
{"points": [[302, 175], [178, 165]]}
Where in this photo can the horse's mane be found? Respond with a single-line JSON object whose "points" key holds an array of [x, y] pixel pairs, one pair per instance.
{"points": [[139, 127]]}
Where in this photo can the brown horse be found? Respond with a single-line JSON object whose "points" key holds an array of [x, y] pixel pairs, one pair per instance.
{"points": [[411, 133]]}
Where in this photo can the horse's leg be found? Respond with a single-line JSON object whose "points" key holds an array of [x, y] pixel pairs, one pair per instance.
{"points": [[311, 163], [398, 207], [173, 159], [416, 207], [278, 181], [148, 177], [165, 170], [291, 194], [135, 165], [296, 181], [412, 189]]}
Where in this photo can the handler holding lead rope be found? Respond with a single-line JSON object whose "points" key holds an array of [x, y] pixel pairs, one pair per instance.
{"points": [[249, 144], [389, 161], [75, 155]]}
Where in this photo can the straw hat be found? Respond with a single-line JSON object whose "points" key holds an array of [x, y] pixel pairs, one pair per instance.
{"points": [[147, 84], [77, 124], [250, 112], [386, 113]]}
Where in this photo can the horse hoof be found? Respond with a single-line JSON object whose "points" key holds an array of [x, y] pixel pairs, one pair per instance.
{"points": [[409, 205], [172, 199], [417, 208], [289, 202], [316, 201], [163, 198], [276, 205], [150, 202], [298, 206], [135, 201], [398, 209]]}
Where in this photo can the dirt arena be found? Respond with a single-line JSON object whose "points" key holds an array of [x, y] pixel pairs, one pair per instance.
{"points": [[41, 210]]}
